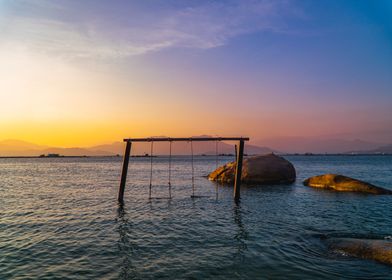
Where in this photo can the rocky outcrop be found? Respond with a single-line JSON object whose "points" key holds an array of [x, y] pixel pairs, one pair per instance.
{"points": [[343, 184], [378, 250], [261, 170]]}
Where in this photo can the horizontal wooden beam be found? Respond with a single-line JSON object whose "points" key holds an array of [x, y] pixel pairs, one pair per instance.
{"points": [[193, 139]]}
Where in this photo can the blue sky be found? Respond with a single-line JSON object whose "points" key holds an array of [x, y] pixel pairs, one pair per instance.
{"points": [[323, 66]]}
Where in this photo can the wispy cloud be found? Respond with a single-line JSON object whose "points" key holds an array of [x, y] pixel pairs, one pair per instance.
{"points": [[87, 30]]}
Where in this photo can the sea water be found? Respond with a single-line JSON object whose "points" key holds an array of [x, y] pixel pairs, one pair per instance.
{"points": [[59, 219]]}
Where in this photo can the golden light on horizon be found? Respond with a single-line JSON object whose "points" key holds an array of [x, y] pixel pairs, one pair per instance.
{"points": [[81, 83]]}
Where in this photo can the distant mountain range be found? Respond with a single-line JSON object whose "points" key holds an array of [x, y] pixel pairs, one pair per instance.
{"points": [[380, 150], [319, 145], [22, 148], [290, 145]]}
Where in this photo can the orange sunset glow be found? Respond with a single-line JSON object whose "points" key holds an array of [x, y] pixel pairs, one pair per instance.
{"points": [[63, 86]]}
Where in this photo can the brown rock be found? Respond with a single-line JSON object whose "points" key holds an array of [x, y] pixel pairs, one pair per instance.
{"points": [[265, 169], [343, 184], [378, 250]]}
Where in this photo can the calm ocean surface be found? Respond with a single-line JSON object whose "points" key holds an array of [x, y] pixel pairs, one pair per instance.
{"points": [[59, 219]]}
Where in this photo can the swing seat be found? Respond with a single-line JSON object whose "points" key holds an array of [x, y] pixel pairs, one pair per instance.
{"points": [[149, 195], [159, 198], [193, 172], [199, 196]]}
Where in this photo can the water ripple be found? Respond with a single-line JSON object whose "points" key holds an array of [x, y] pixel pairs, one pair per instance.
{"points": [[59, 219]]}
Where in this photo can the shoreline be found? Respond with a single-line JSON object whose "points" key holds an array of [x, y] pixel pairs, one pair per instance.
{"points": [[225, 155], [56, 157]]}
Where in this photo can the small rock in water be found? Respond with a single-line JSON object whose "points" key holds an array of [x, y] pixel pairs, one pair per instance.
{"points": [[262, 170], [343, 184], [378, 250]]}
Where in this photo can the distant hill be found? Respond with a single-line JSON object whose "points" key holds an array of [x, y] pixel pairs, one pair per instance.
{"points": [[387, 149], [22, 148], [18, 145], [181, 148], [317, 145]]}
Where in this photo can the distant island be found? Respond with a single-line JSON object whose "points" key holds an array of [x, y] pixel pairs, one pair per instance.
{"points": [[50, 155]]}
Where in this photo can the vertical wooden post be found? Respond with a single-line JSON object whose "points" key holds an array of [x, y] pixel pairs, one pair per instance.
{"points": [[124, 171], [238, 171]]}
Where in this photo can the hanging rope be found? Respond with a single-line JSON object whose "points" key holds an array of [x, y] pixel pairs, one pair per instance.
{"points": [[151, 156], [193, 172], [170, 156], [216, 163], [216, 154]]}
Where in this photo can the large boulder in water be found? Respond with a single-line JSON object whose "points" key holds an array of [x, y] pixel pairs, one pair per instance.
{"points": [[378, 250], [261, 170], [343, 184]]}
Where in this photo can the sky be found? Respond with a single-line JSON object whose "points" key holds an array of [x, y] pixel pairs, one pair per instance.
{"points": [[79, 73]]}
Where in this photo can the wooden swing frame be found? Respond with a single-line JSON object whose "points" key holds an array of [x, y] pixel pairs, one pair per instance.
{"points": [[239, 158]]}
